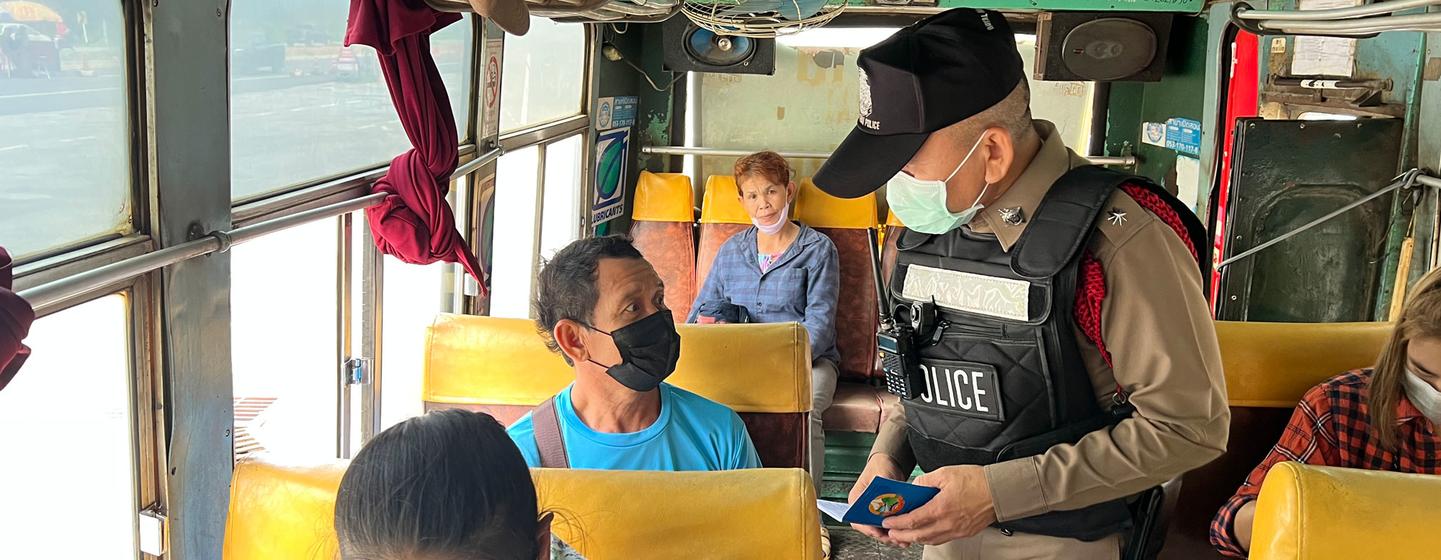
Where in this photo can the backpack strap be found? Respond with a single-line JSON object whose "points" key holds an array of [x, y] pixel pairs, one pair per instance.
{"points": [[546, 427]]}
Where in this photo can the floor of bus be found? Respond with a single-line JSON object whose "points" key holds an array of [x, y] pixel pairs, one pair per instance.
{"points": [[846, 454]]}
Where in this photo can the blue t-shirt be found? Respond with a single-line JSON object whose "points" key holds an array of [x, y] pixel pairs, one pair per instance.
{"points": [[692, 433]]}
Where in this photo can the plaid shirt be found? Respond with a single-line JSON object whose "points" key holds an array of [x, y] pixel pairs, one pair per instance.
{"points": [[1332, 427], [801, 286]]}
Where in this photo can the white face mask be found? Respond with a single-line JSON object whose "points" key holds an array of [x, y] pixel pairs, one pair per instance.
{"points": [[1426, 398], [920, 204], [781, 218]]}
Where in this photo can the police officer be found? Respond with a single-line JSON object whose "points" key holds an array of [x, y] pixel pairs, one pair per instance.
{"points": [[1063, 362]]}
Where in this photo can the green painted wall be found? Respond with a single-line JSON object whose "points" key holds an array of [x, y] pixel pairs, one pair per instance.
{"points": [[1179, 94], [640, 44]]}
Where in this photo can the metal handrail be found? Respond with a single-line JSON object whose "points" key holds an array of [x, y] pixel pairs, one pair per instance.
{"points": [[1405, 181], [50, 293], [1333, 14], [1125, 161]]}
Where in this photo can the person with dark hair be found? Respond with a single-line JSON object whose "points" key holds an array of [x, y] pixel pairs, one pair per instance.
{"points": [[448, 485], [601, 306], [779, 271]]}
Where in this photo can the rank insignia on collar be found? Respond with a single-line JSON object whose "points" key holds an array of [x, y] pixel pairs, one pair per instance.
{"points": [[1012, 216], [1116, 217]]}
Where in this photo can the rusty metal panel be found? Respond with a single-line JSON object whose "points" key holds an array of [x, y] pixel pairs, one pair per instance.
{"points": [[1287, 174]]}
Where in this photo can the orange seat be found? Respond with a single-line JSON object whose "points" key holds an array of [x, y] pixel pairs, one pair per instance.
{"points": [[663, 230], [848, 223], [721, 217]]}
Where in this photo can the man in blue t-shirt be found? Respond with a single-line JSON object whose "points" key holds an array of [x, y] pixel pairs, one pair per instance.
{"points": [[601, 306]]}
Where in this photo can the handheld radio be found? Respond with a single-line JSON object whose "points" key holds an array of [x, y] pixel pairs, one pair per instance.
{"points": [[896, 340]]}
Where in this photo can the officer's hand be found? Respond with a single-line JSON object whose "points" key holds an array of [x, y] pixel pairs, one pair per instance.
{"points": [[962, 508], [881, 465]]}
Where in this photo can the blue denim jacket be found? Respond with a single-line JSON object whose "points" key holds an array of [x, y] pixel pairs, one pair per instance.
{"points": [[801, 286]]}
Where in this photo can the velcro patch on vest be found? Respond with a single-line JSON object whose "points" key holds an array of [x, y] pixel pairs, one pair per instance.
{"points": [[966, 388], [992, 296]]}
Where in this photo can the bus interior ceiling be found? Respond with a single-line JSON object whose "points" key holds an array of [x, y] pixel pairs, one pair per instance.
{"points": [[1260, 135]]}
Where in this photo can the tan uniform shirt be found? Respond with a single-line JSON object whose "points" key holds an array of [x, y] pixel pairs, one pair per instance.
{"points": [[1157, 326]]}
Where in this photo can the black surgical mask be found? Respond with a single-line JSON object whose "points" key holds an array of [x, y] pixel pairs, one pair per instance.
{"points": [[649, 349]]}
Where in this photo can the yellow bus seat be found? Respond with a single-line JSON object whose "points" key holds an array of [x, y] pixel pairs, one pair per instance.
{"points": [[282, 510], [1307, 512], [1268, 367], [501, 367], [286, 511], [848, 223], [663, 230], [721, 217]]}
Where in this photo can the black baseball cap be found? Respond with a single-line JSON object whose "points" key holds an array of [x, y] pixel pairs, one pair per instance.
{"points": [[930, 75]]}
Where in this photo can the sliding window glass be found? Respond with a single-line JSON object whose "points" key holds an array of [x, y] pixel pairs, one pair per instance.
{"points": [[305, 107], [68, 478], [283, 293], [543, 75], [65, 151]]}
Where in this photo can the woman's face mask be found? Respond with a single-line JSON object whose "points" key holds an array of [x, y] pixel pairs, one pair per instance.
{"points": [[1421, 394], [649, 349], [920, 204]]}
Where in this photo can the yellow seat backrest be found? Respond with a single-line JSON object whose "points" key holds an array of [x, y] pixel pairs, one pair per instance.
{"points": [[817, 209], [663, 197], [752, 513], [1322, 513], [287, 511], [1273, 364], [280, 510], [486, 360], [892, 220], [722, 203]]}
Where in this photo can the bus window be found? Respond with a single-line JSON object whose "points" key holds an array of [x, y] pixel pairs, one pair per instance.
{"points": [[809, 104], [283, 341], [513, 257], [67, 438], [64, 129], [560, 220], [413, 295], [542, 75], [303, 106]]}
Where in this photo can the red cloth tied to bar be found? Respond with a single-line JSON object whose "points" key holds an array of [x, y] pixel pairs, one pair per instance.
{"points": [[16, 315], [414, 223]]}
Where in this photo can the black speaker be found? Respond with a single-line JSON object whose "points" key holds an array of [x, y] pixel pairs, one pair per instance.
{"points": [[1102, 46], [690, 48]]}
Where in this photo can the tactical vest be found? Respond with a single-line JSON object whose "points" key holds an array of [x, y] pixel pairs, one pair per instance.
{"points": [[1004, 373]]}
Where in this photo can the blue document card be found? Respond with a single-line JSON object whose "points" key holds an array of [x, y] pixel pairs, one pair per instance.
{"points": [[883, 498]]}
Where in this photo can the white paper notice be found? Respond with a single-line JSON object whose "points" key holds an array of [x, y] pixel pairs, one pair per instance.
{"points": [[1188, 181], [835, 510], [1324, 56]]}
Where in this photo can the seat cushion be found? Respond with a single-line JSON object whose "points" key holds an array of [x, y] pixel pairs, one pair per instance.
{"points": [[855, 408]]}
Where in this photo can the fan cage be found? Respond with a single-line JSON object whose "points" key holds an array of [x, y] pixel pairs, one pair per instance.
{"points": [[764, 25]]}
